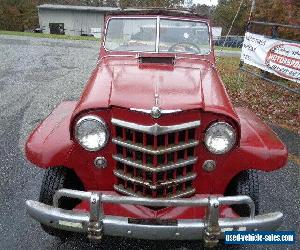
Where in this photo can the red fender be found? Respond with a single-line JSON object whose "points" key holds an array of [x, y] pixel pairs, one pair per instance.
{"points": [[259, 148], [49, 144]]}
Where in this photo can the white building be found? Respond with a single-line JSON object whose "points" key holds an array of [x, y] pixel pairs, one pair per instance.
{"points": [[72, 20]]}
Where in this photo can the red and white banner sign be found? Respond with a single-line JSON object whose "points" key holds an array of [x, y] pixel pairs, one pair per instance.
{"points": [[275, 56]]}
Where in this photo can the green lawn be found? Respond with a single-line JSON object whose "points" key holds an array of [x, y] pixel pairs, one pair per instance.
{"points": [[227, 48], [41, 35]]}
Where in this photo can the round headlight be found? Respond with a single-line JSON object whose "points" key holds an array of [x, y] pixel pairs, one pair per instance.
{"points": [[220, 138], [91, 133]]}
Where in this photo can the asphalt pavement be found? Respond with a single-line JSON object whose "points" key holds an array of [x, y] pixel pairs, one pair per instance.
{"points": [[37, 74]]}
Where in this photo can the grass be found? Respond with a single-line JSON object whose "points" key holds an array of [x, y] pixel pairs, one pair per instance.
{"points": [[227, 48], [270, 102], [42, 35], [294, 158]]}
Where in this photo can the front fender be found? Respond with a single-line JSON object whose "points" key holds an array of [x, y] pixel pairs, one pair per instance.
{"points": [[50, 144], [260, 147]]}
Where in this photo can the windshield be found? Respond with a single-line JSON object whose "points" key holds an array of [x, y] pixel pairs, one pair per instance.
{"points": [[142, 35]]}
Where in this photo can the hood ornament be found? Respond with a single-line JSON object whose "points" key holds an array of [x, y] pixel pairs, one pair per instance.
{"points": [[156, 112]]}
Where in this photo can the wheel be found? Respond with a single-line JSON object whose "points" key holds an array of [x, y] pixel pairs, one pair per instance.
{"points": [[54, 179], [245, 183]]}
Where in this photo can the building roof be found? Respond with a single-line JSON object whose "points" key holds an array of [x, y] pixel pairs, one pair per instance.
{"points": [[77, 8], [118, 11]]}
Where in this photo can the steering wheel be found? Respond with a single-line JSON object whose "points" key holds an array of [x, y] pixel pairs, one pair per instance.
{"points": [[189, 47]]}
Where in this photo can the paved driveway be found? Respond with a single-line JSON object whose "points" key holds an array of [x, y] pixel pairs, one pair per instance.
{"points": [[36, 75]]}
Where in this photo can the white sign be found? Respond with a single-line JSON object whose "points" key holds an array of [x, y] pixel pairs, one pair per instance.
{"points": [[216, 32], [96, 32], [275, 56]]}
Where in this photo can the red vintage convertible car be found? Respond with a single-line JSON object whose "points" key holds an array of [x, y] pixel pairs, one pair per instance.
{"points": [[154, 148]]}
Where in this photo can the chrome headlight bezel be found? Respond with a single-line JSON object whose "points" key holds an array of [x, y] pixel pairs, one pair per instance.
{"points": [[101, 123], [226, 126]]}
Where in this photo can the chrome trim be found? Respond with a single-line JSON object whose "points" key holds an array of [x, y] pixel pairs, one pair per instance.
{"points": [[157, 34], [186, 193], [170, 182], [155, 129], [106, 198], [212, 232], [160, 168], [99, 165], [163, 111], [163, 150], [156, 112], [122, 190], [82, 195], [95, 223], [209, 165]]}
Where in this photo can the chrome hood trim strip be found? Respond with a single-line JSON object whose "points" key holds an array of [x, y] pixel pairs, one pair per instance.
{"points": [[163, 111], [155, 129]]}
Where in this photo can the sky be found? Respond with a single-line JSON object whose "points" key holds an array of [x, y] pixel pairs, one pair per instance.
{"points": [[207, 2]]}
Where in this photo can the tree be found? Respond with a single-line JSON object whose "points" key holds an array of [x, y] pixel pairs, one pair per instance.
{"points": [[225, 12], [202, 9], [18, 14], [271, 11], [278, 11]]}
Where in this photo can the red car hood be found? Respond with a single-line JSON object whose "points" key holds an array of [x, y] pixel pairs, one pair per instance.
{"points": [[126, 83]]}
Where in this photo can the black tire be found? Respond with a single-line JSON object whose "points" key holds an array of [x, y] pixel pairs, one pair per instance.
{"points": [[54, 179], [245, 183]]}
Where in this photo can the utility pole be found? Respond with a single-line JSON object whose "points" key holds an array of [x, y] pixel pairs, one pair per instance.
{"points": [[252, 10]]}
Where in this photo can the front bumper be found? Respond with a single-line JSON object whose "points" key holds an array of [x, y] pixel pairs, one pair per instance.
{"points": [[95, 223]]}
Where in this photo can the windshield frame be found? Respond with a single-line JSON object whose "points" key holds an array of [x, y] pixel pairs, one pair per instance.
{"points": [[158, 18]]}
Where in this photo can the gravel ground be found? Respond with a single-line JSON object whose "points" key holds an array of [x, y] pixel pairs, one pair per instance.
{"points": [[36, 75]]}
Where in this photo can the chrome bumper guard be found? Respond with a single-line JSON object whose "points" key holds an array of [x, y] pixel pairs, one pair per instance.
{"points": [[96, 223]]}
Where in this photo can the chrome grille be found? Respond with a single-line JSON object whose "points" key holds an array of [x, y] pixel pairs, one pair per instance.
{"points": [[155, 161]]}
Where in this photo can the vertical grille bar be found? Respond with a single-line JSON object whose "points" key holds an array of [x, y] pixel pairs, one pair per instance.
{"points": [[165, 161], [196, 131], [154, 175], [144, 162], [186, 138], [134, 158], [124, 151], [175, 161]]}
